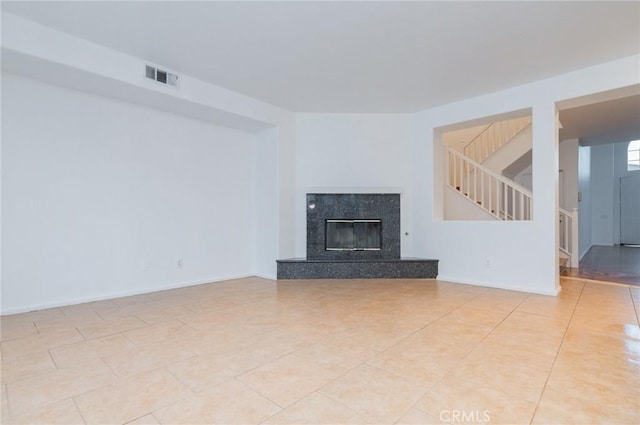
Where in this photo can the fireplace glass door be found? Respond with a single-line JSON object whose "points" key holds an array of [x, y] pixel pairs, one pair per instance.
{"points": [[353, 235]]}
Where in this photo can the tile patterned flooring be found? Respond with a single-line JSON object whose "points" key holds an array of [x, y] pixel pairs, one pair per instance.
{"points": [[328, 352]]}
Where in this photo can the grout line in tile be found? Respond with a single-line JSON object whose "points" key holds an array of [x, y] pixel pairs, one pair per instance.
{"points": [[424, 392], [8, 395], [471, 350], [250, 388], [52, 359], [75, 403], [635, 307], [154, 416], [317, 312], [564, 335], [423, 327]]}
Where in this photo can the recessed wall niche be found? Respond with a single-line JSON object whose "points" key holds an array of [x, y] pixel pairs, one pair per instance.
{"points": [[487, 171]]}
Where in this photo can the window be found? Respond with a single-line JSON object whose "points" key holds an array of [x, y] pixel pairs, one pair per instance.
{"points": [[633, 156]]}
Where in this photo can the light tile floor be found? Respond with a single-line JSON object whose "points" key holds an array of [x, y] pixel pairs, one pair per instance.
{"points": [[328, 352]]}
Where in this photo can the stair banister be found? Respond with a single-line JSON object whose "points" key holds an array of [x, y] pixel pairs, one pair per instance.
{"points": [[569, 228], [509, 201], [493, 137], [491, 172], [575, 241]]}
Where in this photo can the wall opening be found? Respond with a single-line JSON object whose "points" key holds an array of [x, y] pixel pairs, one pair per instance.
{"points": [[487, 169]]}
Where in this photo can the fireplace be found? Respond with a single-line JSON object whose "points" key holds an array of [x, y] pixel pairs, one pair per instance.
{"points": [[353, 235], [353, 226]]}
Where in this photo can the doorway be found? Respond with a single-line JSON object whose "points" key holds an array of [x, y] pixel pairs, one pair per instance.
{"points": [[608, 191], [630, 210]]}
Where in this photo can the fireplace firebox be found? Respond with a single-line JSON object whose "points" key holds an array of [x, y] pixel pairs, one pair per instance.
{"points": [[353, 235]]}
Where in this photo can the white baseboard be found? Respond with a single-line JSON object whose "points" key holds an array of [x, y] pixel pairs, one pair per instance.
{"points": [[118, 294], [585, 253], [492, 285], [266, 276]]}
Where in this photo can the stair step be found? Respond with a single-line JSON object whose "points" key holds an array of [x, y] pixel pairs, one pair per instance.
{"points": [[478, 202], [564, 265]]}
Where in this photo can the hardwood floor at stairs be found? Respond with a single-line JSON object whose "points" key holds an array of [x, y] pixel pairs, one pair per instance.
{"points": [[620, 264]]}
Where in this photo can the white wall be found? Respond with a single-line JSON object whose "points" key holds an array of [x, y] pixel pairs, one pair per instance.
{"points": [[515, 255], [619, 171], [34, 50], [102, 198], [458, 139], [525, 177], [608, 165], [518, 146], [265, 208], [360, 153], [458, 207], [584, 206], [602, 197], [568, 158], [568, 163]]}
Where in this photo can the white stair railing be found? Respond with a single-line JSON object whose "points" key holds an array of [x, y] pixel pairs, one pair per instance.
{"points": [[494, 193], [569, 235], [493, 137]]}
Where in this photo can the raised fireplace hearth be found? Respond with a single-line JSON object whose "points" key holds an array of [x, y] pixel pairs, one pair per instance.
{"points": [[353, 236]]}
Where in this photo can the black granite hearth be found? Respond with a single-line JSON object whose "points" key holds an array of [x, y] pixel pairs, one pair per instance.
{"points": [[355, 236], [398, 268]]}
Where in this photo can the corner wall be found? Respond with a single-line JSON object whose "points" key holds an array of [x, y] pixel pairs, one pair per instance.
{"points": [[354, 153], [103, 198]]}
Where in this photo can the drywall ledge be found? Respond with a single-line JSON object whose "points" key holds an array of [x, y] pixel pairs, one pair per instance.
{"points": [[78, 79]]}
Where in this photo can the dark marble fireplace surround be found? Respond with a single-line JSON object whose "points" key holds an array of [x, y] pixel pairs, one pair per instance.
{"points": [[323, 207], [386, 262]]}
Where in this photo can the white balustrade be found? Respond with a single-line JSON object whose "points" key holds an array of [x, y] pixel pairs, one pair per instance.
{"points": [[568, 228], [494, 137], [496, 194]]}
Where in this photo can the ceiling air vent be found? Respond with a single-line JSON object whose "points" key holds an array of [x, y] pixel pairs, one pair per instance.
{"points": [[161, 76]]}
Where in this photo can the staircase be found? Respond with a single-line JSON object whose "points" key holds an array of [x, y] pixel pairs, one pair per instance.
{"points": [[476, 189], [564, 264], [494, 137], [496, 195]]}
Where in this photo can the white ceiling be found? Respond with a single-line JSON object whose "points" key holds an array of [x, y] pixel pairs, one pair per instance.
{"points": [[613, 121], [355, 56]]}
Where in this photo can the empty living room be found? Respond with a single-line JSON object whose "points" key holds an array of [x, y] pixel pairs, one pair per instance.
{"points": [[314, 212]]}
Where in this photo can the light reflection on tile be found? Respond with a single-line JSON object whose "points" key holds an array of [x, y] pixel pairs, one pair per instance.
{"points": [[339, 351]]}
